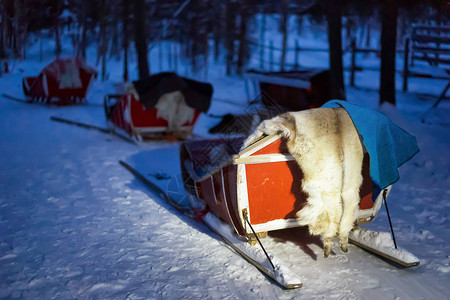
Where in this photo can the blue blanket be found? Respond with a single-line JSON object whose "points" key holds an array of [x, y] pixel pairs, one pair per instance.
{"points": [[388, 145]]}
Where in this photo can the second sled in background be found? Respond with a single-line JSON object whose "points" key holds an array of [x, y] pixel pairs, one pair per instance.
{"points": [[160, 106]]}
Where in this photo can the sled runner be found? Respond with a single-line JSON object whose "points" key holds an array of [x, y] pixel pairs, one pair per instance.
{"points": [[160, 105], [64, 81], [89, 126], [53, 103], [256, 190]]}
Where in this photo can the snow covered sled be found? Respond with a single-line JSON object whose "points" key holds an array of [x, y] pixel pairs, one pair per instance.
{"points": [[252, 190], [64, 80], [159, 105]]}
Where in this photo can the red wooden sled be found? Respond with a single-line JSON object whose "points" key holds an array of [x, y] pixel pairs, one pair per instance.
{"points": [[259, 183], [66, 80], [127, 116]]}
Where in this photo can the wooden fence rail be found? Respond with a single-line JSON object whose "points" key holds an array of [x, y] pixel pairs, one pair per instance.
{"points": [[297, 50]]}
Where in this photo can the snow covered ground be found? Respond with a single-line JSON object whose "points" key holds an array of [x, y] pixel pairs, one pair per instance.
{"points": [[74, 224]]}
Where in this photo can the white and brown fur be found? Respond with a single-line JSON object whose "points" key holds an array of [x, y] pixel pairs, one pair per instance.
{"points": [[327, 147]]}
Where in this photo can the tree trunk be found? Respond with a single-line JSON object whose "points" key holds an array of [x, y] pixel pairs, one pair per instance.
{"points": [[140, 42], [368, 36], [83, 39], [104, 77], [194, 36], [24, 41], [125, 39], [283, 29], [17, 45], [242, 41], [333, 12], [262, 39], [115, 47], [58, 48], [83, 42], [299, 24], [349, 27], [102, 49], [389, 12], [230, 35], [3, 29], [217, 26]]}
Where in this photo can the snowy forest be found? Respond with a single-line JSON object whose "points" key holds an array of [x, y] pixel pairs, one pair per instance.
{"points": [[232, 30], [113, 186]]}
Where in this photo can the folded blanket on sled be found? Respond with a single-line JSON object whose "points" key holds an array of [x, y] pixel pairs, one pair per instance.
{"points": [[388, 145]]}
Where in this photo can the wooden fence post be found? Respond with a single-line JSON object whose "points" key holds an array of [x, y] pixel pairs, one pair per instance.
{"points": [[261, 56], [353, 67], [261, 39], [296, 55], [169, 56], [271, 55], [41, 46], [405, 66], [160, 54], [175, 56]]}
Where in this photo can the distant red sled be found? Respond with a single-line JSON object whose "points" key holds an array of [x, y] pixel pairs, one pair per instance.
{"points": [[65, 81], [259, 183], [157, 106]]}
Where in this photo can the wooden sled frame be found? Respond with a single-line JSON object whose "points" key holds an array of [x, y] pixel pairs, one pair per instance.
{"points": [[241, 161], [237, 212]]}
